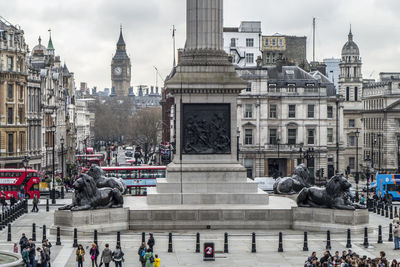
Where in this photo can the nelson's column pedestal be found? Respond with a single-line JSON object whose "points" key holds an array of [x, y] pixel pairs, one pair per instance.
{"points": [[205, 184]]}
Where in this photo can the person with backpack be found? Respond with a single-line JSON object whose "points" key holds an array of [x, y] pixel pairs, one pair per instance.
{"points": [[149, 258], [141, 253], [106, 256], [118, 256], [94, 253], [151, 242]]}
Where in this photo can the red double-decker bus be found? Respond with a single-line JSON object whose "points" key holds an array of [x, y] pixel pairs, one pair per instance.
{"points": [[136, 178], [89, 159], [13, 181]]}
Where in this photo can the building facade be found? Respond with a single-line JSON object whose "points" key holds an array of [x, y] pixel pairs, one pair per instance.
{"points": [[333, 70], [381, 123], [243, 43], [350, 88], [287, 116], [121, 69], [13, 89]]}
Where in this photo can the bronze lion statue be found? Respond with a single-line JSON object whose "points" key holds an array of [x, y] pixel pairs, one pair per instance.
{"points": [[101, 181], [291, 185], [334, 196], [88, 196]]}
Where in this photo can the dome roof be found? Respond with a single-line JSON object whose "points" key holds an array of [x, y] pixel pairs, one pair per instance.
{"points": [[39, 50], [350, 48]]}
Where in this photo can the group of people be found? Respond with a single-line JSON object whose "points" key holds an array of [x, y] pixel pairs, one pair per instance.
{"points": [[13, 200], [34, 256], [146, 256], [348, 259], [106, 256]]}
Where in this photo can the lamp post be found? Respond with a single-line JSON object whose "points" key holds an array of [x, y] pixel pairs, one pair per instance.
{"points": [[379, 152], [357, 133], [278, 141], [372, 156], [337, 132], [301, 152], [62, 167], [53, 130], [25, 162]]}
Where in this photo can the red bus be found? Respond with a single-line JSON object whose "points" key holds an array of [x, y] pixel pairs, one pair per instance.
{"points": [[89, 159], [136, 178], [13, 180]]}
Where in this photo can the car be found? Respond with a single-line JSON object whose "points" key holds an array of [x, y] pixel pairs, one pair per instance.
{"points": [[129, 152], [265, 183]]}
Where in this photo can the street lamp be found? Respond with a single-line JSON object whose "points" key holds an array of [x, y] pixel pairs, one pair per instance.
{"points": [[373, 155], [25, 162], [62, 167], [357, 133], [278, 141], [53, 130], [380, 149]]}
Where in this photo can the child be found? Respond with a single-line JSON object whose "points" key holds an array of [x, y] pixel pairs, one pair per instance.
{"points": [[157, 261]]}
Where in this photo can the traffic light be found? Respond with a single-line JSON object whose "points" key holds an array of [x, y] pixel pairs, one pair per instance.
{"points": [[322, 172]]}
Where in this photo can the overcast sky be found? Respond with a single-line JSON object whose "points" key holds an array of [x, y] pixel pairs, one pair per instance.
{"points": [[85, 32]]}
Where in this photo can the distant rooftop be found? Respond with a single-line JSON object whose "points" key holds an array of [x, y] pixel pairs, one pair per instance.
{"points": [[246, 26]]}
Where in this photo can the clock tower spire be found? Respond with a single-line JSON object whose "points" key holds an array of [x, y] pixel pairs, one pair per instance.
{"points": [[121, 68]]}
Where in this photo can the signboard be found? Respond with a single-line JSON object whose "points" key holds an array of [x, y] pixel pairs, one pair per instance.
{"points": [[140, 182], [209, 252]]}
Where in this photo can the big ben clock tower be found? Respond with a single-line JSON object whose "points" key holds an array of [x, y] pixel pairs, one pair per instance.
{"points": [[121, 68]]}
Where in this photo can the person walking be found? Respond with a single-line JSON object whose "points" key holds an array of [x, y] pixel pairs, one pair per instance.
{"points": [[141, 253], [35, 203], [151, 242], [3, 202], [106, 256], [396, 219], [157, 261], [118, 256], [23, 242], [94, 253], [396, 234], [80, 255], [149, 258], [32, 252]]}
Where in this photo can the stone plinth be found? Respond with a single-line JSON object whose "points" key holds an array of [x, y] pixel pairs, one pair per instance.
{"points": [[103, 220], [316, 219]]}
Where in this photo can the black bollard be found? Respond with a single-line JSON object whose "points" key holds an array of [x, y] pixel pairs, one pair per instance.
{"points": [[58, 242], [119, 238], [44, 232], [380, 234], [391, 212], [305, 244], [34, 231], [387, 211], [169, 242], [328, 240], [95, 237], [253, 243], [198, 243], [390, 232], [75, 244], [47, 205], [378, 209], [280, 248], [366, 244], [348, 244], [226, 250], [143, 237], [9, 233], [395, 211], [383, 210], [374, 206]]}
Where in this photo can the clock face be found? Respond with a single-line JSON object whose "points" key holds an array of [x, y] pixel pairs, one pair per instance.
{"points": [[117, 71]]}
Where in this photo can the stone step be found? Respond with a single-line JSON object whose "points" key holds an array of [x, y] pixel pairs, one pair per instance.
{"points": [[207, 176], [155, 198], [164, 186]]}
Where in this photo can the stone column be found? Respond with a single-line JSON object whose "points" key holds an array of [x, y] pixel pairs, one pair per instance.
{"points": [[204, 24]]}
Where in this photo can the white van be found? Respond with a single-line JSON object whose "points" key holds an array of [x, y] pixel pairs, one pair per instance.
{"points": [[265, 183]]}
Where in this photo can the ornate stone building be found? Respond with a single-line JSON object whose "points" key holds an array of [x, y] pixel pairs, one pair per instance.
{"points": [[121, 69], [350, 88], [13, 88]]}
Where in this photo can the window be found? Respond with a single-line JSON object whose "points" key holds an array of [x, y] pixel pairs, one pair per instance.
{"points": [[248, 88], [21, 142], [292, 134], [355, 71], [280, 42], [356, 93], [248, 136], [272, 136], [268, 58], [21, 115], [249, 58], [10, 143], [351, 140], [347, 93], [21, 92], [310, 136], [248, 112], [10, 40], [10, 116], [273, 42], [310, 111], [351, 123], [272, 111], [330, 112], [249, 42], [10, 63], [266, 42], [10, 91], [292, 111], [233, 42], [330, 135], [352, 163]]}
